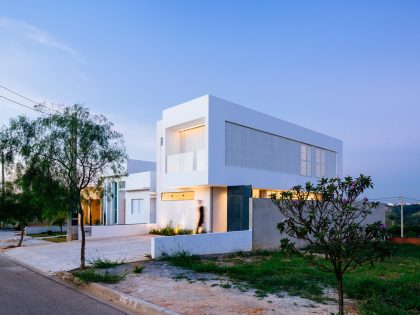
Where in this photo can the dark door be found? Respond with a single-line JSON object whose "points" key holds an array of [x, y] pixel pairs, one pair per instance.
{"points": [[238, 207]]}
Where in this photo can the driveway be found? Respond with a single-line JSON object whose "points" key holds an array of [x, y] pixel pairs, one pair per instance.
{"points": [[53, 257]]}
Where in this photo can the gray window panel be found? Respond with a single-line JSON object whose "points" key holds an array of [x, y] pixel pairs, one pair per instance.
{"points": [[250, 148]]}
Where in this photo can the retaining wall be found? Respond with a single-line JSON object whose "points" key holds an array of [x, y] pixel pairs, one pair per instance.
{"points": [[202, 244], [103, 231], [43, 229]]}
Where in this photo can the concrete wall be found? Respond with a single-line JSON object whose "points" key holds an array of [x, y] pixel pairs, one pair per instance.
{"points": [[266, 216], [144, 216], [184, 212], [42, 229], [202, 244], [101, 231]]}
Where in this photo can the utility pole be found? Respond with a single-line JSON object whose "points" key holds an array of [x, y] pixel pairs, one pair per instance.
{"points": [[3, 188], [402, 215]]}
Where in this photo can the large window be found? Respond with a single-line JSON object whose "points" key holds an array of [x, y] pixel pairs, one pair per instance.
{"points": [[137, 206], [305, 160], [319, 162]]}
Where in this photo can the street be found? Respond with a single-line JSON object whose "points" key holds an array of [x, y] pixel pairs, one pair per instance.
{"points": [[23, 291]]}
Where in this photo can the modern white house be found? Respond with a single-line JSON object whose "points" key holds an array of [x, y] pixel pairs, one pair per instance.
{"points": [[223, 154], [131, 199]]}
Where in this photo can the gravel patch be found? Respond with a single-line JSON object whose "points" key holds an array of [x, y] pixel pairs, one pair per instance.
{"points": [[187, 292]]}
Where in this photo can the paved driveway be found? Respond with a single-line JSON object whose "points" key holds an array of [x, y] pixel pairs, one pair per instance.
{"points": [[52, 257]]}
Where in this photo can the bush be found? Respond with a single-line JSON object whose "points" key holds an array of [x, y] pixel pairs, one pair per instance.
{"points": [[138, 269], [105, 263], [90, 275], [170, 230]]}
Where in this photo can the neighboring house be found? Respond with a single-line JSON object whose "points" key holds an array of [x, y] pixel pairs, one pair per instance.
{"points": [[131, 198], [224, 154]]}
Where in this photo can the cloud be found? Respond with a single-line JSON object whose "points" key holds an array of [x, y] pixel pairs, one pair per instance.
{"points": [[35, 34]]}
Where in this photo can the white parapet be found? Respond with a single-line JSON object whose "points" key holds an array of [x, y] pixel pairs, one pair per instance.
{"points": [[202, 244], [104, 231]]}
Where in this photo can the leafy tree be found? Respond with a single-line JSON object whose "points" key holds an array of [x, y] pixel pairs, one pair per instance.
{"points": [[17, 208], [76, 148], [328, 217]]}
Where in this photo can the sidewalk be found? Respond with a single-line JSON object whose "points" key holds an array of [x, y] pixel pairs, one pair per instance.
{"points": [[53, 257]]}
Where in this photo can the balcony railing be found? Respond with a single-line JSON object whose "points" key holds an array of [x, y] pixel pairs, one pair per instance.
{"points": [[186, 162]]}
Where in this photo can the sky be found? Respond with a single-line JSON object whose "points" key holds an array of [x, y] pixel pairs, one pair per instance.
{"points": [[349, 69]]}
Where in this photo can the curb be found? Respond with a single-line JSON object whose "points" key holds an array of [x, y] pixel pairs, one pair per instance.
{"points": [[125, 299]]}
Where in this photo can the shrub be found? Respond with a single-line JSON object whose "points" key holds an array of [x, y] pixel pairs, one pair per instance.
{"points": [[90, 275], [170, 230], [105, 263], [138, 269]]}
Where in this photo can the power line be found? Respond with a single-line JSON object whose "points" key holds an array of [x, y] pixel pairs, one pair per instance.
{"points": [[30, 107], [27, 98]]}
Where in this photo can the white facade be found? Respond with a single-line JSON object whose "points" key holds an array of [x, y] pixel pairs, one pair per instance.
{"points": [[131, 199], [208, 144]]}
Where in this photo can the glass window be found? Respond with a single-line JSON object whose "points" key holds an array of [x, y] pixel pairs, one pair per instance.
{"points": [[136, 206], [320, 163], [305, 160]]}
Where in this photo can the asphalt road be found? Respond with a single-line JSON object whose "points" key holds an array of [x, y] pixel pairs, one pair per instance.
{"points": [[23, 291]]}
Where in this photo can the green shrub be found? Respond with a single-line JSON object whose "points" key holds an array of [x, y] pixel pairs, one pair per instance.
{"points": [[138, 269], [170, 230], [90, 275], [105, 263]]}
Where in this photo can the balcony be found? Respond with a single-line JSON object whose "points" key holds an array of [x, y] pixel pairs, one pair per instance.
{"points": [[186, 162]]}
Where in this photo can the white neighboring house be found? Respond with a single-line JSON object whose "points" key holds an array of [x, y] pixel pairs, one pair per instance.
{"points": [[131, 199], [213, 150]]}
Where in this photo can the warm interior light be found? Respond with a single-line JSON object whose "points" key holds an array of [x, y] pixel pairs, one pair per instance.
{"points": [[196, 126], [175, 196]]}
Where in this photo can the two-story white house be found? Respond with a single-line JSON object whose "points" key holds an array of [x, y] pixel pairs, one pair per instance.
{"points": [[222, 153]]}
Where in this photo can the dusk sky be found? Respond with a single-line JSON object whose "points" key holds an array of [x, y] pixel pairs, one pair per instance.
{"points": [[349, 69]]}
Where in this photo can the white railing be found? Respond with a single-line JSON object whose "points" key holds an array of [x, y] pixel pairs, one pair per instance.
{"points": [[186, 162]]}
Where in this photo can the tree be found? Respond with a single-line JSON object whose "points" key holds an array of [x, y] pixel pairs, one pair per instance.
{"points": [[328, 217], [77, 148], [17, 208]]}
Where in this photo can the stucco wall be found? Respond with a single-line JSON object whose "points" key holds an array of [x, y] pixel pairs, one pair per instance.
{"points": [[184, 212], [144, 216], [42, 229], [202, 244], [101, 231], [266, 216]]}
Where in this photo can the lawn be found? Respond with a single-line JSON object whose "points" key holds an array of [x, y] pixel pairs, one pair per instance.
{"points": [[391, 287], [58, 239], [46, 234]]}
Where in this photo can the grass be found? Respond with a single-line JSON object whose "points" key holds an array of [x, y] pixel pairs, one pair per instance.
{"points": [[391, 287], [105, 263], [138, 269], [58, 239], [49, 233], [90, 275]]}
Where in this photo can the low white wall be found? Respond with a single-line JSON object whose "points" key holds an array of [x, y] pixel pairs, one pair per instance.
{"points": [[103, 231], [43, 229], [202, 244]]}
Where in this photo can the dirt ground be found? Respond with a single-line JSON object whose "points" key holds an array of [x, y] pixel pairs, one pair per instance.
{"points": [[186, 292]]}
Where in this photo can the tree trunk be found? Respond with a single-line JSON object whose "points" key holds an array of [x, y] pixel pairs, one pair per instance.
{"points": [[22, 233], [82, 230], [340, 294], [69, 225]]}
